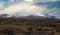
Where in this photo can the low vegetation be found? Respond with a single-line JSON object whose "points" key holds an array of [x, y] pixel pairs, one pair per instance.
{"points": [[29, 26]]}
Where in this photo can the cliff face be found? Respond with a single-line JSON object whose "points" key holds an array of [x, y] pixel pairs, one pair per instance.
{"points": [[29, 26]]}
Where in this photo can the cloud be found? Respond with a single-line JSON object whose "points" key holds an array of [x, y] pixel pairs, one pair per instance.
{"points": [[53, 7], [25, 7], [37, 1], [29, 7]]}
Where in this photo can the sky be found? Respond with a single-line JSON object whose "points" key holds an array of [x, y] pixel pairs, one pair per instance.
{"points": [[30, 7]]}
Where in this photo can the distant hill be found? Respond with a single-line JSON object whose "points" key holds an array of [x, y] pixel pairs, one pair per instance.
{"points": [[34, 17], [28, 17], [5, 16]]}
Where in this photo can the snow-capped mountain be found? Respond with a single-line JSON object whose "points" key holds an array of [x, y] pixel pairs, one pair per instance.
{"points": [[5, 16], [28, 17]]}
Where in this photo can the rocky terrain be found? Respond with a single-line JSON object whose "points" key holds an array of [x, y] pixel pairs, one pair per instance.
{"points": [[29, 25]]}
